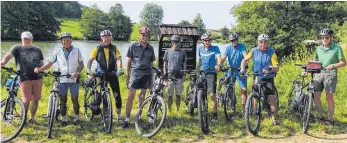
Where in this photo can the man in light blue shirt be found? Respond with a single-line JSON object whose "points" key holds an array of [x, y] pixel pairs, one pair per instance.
{"points": [[235, 52]]}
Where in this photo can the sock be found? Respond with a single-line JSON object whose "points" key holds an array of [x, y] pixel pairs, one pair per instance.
{"points": [[126, 119], [118, 116], [77, 117]]}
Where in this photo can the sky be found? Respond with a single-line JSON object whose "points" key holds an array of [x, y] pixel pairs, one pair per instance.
{"points": [[215, 15]]}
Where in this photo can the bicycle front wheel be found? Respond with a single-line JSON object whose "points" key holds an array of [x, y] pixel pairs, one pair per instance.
{"points": [[88, 101], [52, 115], [107, 112], [13, 117], [307, 111], [188, 100], [229, 104], [202, 108], [253, 113], [150, 116]]}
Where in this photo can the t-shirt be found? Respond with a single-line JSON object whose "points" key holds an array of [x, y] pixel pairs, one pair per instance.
{"points": [[330, 56], [235, 54], [95, 53], [142, 58], [175, 60], [262, 59], [27, 59], [208, 57]]}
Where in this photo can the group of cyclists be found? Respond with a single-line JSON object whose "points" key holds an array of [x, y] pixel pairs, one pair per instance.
{"points": [[139, 74]]}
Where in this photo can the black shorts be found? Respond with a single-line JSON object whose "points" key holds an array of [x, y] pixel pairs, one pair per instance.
{"points": [[211, 79], [142, 82], [268, 86]]}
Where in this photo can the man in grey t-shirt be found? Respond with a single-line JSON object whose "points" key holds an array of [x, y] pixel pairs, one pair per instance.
{"points": [[174, 62], [139, 68]]}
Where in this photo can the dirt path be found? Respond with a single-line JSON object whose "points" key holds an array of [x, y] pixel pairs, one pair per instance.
{"points": [[342, 138]]}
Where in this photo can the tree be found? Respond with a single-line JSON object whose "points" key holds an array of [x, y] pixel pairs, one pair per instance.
{"points": [[225, 33], [184, 22], [151, 17], [36, 17], [120, 24], [93, 21], [287, 23], [67, 9], [200, 24]]}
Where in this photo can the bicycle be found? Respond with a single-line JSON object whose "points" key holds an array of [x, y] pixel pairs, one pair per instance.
{"points": [[54, 101], [196, 97], [93, 99], [12, 108], [254, 100], [149, 121], [303, 102], [226, 97]]}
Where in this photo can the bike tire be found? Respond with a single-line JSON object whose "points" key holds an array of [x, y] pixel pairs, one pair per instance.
{"points": [[88, 99], [159, 102], [291, 102], [107, 112], [307, 111], [229, 104], [51, 116], [203, 116], [189, 107], [253, 101], [22, 123]]}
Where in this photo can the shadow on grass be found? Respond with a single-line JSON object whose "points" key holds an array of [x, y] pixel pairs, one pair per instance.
{"points": [[340, 128]]}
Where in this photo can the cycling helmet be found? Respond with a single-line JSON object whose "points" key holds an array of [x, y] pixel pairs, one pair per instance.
{"points": [[262, 37], [175, 38], [65, 34], [233, 36], [206, 35], [326, 31], [106, 33], [145, 30]]}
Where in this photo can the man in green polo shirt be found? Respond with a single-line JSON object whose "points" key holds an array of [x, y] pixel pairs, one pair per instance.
{"points": [[331, 56]]}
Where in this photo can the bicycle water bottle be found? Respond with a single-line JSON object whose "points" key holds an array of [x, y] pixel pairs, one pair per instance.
{"points": [[9, 83], [297, 96]]}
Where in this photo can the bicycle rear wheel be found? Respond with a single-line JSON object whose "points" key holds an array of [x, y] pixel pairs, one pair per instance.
{"points": [[107, 112], [307, 111], [88, 101], [203, 116], [291, 102], [52, 115], [253, 113], [13, 117], [188, 100], [229, 104], [150, 116]]}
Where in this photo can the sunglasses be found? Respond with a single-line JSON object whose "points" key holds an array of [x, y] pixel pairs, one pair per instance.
{"points": [[325, 37], [207, 40], [145, 35], [262, 41], [233, 40]]}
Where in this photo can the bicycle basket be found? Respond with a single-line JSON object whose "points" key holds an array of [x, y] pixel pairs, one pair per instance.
{"points": [[314, 67]]}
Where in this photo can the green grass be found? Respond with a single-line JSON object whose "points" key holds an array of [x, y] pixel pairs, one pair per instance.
{"points": [[180, 127], [72, 26]]}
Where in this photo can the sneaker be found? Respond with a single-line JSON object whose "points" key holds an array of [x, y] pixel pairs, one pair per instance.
{"points": [[120, 121], [125, 125], [320, 120], [329, 123], [64, 121], [77, 122], [275, 122], [32, 121]]}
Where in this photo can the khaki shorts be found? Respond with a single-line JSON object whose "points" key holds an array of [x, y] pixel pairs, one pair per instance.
{"points": [[175, 87], [31, 90], [325, 79]]}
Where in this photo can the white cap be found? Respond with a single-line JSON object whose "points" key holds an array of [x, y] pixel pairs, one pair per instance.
{"points": [[27, 34]]}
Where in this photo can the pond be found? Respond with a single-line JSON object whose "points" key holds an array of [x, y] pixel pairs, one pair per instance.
{"points": [[86, 47]]}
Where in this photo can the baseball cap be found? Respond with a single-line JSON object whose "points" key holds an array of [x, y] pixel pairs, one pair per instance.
{"points": [[26, 34]]}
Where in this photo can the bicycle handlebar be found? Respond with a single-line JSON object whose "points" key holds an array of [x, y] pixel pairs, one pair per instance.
{"points": [[161, 74]]}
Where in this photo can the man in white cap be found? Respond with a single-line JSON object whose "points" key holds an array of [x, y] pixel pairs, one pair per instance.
{"points": [[27, 59]]}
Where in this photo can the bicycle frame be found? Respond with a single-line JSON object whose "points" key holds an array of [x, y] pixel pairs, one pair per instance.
{"points": [[12, 91]]}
